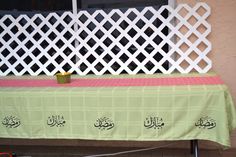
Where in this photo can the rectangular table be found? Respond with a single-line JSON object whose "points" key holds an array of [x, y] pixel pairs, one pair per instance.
{"points": [[125, 107]]}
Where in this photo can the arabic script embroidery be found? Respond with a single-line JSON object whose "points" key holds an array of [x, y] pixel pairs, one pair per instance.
{"points": [[11, 122], [206, 123], [154, 122], [104, 123], [56, 120]]}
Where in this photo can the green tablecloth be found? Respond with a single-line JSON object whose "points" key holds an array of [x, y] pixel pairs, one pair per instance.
{"points": [[118, 113]]}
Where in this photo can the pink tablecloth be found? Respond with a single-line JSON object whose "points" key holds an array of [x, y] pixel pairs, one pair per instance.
{"points": [[108, 82]]}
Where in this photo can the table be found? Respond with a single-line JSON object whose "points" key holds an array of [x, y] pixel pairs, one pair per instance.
{"points": [[125, 107]]}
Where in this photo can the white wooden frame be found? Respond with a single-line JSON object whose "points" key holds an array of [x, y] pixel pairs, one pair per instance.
{"points": [[48, 44]]}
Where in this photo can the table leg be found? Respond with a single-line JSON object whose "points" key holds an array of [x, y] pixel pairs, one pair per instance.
{"points": [[195, 144]]}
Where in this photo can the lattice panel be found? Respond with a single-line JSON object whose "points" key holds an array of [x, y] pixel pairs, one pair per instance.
{"points": [[129, 41]]}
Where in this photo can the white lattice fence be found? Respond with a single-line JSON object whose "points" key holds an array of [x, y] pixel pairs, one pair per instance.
{"points": [[116, 41]]}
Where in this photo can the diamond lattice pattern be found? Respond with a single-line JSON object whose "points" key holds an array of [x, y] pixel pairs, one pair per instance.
{"points": [[118, 41]]}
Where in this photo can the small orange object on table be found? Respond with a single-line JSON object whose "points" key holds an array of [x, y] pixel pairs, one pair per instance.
{"points": [[64, 77]]}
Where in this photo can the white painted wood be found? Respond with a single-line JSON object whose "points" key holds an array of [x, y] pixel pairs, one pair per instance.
{"points": [[76, 27], [46, 45], [172, 3]]}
